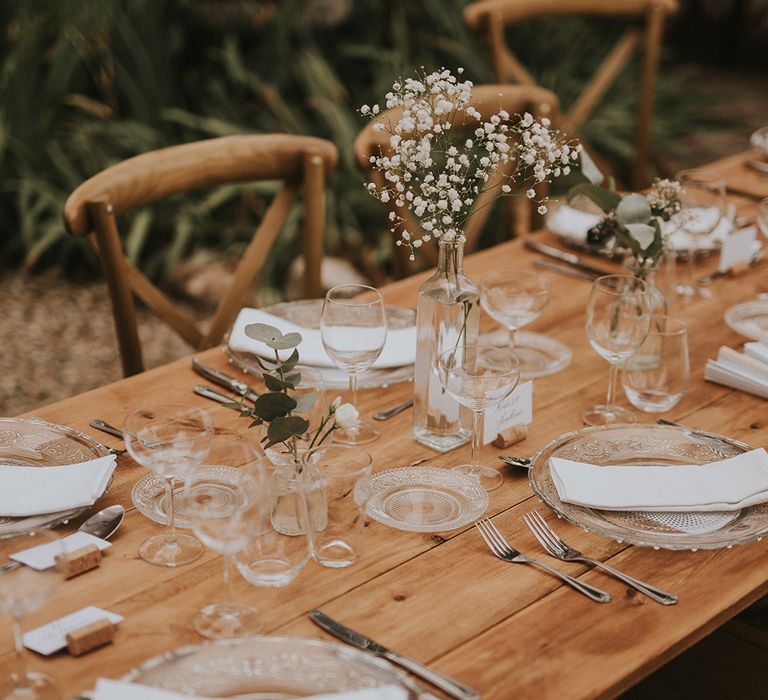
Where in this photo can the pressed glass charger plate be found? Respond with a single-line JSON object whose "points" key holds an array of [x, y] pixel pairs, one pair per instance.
{"points": [[655, 445], [306, 313], [148, 494], [541, 355], [31, 442], [426, 499], [267, 668], [750, 319]]}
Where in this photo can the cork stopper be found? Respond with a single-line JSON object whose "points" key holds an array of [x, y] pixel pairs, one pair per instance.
{"points": [[90, 636], [510, 436], [79, 560]]}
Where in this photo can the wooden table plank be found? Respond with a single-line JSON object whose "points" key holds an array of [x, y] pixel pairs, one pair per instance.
{"points": [[506, 629]]}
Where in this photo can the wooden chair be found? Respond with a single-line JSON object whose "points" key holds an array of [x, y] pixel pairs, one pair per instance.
{"points": [[488, 100], [91, 211], [490, 17]]}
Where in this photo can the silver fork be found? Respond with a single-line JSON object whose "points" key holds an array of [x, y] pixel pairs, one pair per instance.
{"points": [[503, 550], [554, 546]]}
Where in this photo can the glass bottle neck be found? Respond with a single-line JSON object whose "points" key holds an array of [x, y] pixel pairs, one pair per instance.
{"points": [[450, 258]]}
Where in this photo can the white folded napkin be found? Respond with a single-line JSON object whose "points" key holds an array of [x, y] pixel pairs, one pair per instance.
{"points": [[745, 372], [682, 240], [729, 484], [39, 490], [119, 690], [399, 348]]}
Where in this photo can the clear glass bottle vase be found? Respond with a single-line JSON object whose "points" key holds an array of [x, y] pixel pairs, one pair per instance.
{"points": [[447, 315]]}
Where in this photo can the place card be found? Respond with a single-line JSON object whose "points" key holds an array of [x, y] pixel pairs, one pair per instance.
{"points": [[737, 248], [52, 637], [44, 556], [515, 410]]}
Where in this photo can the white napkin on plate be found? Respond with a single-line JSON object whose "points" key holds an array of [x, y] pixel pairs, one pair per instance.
{"points": [[399, 348], [729, 484], [38, 490], [119, 690], [743, 371]]}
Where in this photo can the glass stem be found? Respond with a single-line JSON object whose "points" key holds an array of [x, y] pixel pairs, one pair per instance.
{"points": [[477, 441], [689, 271], [170, 533], [228, 597], [613, 373], [20, 672], [353, 388], [512, 338]]}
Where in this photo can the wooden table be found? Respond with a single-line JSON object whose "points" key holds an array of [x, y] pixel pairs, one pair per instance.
{"points": [[443, 599]]}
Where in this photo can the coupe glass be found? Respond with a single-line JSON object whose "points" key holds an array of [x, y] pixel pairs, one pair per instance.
{"points": [[353, 326], [702, 201], [24, 590], [479, 376], [762, 216], [618, 319], [514, 298], [225, 502], [656, 377], [169, 440]]}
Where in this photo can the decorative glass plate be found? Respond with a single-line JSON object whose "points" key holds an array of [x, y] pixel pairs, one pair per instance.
{"points": [[31, 442], [148, 494], [267, 668], [749, 319], [543, 354], [426, 499], [306, 313], [656, 445]]}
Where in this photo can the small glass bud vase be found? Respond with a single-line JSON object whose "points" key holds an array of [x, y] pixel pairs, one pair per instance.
{"points": [[447, 315], [646, 269]]}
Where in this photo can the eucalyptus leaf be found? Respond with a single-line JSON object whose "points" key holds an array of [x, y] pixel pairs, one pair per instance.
{"points": [[274, 405], [590, 170], [643, 234], [274, 383], [633, 209], [607, 200], [282, 429], [263, 332], [290, 363], [288, 341]]}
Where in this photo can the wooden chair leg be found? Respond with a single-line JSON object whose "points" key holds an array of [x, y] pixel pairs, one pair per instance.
{"points": [[314, 219], [111, 253]]}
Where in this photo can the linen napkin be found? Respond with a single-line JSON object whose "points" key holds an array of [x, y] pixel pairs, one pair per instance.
{"points": [[39, 490], [119, 690], [745, 372], [399, 348], [729, 484]]}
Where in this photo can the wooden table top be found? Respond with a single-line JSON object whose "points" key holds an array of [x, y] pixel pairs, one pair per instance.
{"points": [[443, 599]]}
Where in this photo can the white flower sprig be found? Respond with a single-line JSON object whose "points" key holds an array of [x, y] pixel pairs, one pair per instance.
{"points": [[438, 177]]}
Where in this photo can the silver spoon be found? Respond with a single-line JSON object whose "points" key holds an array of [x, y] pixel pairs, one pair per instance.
{"points": [[389, 412], [523, 462], [102, 525]]}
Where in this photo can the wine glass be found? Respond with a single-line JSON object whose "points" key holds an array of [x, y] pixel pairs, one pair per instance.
{"points": [[24, 590], [514, 298], [169, 440], [353, 326], [618, 319], [702, 203], [225, 502], [479, 376]]}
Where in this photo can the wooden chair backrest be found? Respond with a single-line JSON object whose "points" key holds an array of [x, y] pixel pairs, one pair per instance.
{"points": [[488, 100], [647, 21], [91, 211]]}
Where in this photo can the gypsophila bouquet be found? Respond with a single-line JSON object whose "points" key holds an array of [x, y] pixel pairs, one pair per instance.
{"points": [[633, 222], [438, 176]]}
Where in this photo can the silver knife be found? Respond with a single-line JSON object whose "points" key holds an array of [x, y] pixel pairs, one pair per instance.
{"points": [[564, 256], [564, 270], [225, 380], [345, 634], [210, 393]]}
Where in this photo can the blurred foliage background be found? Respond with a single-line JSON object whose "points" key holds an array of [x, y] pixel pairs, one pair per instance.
{"points": [[87, 83]]}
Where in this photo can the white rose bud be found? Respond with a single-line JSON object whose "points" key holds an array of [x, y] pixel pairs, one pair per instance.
{"points": [[335, 404], [347, 416]]}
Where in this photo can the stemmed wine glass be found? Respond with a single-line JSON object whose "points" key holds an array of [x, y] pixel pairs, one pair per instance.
{"points": [[353, 326], [702, 202], [225, 502], [514, 298], [618, 320], [169, 440], [479, 376], [24, 590]]}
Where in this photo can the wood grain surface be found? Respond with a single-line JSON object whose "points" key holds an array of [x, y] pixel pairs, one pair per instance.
{"points": [[508, 630]]}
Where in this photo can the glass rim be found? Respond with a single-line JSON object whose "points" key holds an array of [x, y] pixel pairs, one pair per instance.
{"points": [[519, 271], [680, 329], [700, 175], [189, 408], [349, 301], [307, 457], [511, 353], [600, 283]]}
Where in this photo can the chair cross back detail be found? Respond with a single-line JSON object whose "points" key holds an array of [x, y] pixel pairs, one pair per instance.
{"points": [[91, 211], [492, 16], [488, 100]]}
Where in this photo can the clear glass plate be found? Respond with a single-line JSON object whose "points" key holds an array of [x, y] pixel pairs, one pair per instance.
{"points": [[656, 445], [426, 499], [541, 355], [31, 442], [148, 494], [267, 668], [750, 319], [306, 313]]}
